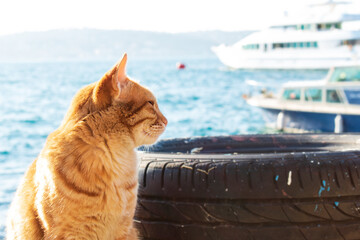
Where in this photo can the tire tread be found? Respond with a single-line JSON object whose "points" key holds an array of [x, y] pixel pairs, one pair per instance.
{"points": [[289, 195]]}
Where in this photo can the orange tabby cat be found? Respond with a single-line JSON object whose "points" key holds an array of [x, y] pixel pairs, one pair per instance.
{"points": [[83, 185]]}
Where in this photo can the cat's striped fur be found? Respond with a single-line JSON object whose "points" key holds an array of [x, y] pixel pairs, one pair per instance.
{"points": [[83, 184]]}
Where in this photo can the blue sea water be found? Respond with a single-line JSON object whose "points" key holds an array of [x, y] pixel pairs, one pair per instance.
{"points": [[204, 99]]}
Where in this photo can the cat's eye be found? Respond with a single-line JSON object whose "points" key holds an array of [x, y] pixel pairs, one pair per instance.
{"points": [[151, 102]]}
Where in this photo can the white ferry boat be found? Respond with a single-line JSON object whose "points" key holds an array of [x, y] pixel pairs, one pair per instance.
{"points": [[316, 41], [329, 105]]}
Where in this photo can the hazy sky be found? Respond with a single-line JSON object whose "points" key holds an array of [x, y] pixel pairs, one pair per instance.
{"points": [[152, 15]]}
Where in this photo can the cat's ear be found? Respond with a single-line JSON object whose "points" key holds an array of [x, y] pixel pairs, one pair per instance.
{"points": [[120, 79], [112, 85]]}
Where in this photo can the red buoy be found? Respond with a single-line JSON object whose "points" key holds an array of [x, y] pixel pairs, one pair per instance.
{"points": [[180, 66]]}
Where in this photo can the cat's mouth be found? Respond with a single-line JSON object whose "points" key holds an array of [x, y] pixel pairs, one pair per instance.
{"points": [[155, 130]]}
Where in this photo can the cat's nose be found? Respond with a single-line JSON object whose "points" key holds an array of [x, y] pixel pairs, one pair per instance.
{"points": [[163, 120]]}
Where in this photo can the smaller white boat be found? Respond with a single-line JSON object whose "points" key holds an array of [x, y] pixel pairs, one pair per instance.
{"points": [[328, 105]]}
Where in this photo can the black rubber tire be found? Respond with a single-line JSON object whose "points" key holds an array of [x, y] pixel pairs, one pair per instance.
{"points": [[292, 186]]}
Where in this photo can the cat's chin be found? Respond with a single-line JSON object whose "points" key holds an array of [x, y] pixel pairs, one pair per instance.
{"points": [[151, 135]]}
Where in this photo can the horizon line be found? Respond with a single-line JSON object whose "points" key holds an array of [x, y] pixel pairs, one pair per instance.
{"points": [[128, 30]]}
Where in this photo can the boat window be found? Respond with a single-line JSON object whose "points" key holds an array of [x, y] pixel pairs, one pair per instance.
{"points": [[346, 74], [303, 27], [353, 95], [313, 95], [251, 46], [328, 26], [295, 45], [350, 42], [291, 94], [332, 96]]}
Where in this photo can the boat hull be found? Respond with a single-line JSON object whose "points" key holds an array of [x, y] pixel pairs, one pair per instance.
{"points": [[311, 121], [289, 59]]}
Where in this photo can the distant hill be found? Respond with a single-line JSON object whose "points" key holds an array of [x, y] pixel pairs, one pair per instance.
{"points": [[91, 44]]}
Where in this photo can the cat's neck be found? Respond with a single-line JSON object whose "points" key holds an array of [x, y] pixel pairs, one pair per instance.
{"points": [[115, 150], [100, 156]]}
